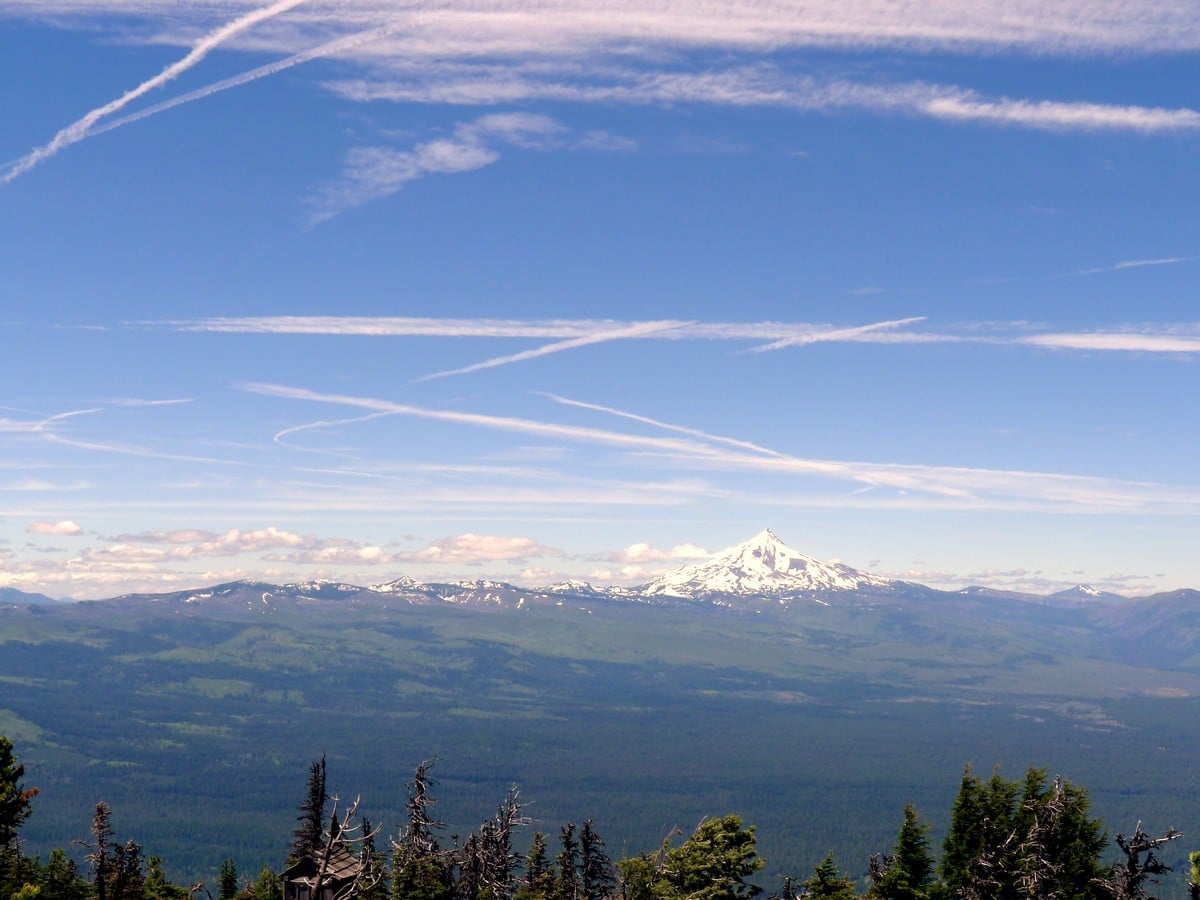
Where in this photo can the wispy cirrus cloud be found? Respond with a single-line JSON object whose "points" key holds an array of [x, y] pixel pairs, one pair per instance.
{"points": [[623, 51], [374, 172], [516, 27], [1118, 341], [568, 333], [1137, 264], [758, 85]]}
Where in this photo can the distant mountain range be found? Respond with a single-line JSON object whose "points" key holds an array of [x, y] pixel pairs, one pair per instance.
{"points": [[9, 596], [761, 573]]}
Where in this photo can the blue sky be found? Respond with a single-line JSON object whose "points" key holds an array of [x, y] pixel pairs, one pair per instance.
{"points": [[533, 291]]}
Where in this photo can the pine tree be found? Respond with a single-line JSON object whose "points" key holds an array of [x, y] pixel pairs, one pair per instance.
{"points": [[538, 883], [596, 871], [1013, 840], [227, 880], [567, 885], [156, 886], [828, 881], [309, 834], [268, 886], [714, 863], [60, 879], [908, 874], [14, 799]]}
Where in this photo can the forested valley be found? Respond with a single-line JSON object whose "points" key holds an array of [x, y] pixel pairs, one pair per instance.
{"points": [[1028, 839], [196, 722]]}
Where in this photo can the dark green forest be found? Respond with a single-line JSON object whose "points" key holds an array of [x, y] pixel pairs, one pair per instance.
{"points": [[1030, 839], [195, 725]]}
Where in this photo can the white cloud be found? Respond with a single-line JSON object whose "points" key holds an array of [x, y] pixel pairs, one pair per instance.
{"points": [[1122, 341], [502, 28], [641, 552], [761, 86], [65, 527], [1138, 264], [469, 52], [478, 548], [277, 543], [341, 555], [374, 172]]}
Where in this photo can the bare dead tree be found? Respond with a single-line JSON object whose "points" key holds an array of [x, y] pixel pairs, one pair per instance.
{"points": [[878, 865], [1131, 877], [419, 839], [486, 860]]}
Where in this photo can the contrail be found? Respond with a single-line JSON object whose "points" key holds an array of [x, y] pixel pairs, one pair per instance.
{"points": [[327, 49], [837, 334], [638, 330], [78, 130]]}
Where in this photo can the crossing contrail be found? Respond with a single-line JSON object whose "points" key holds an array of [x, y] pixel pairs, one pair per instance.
{"points": [[329, 48], [79, 129]]}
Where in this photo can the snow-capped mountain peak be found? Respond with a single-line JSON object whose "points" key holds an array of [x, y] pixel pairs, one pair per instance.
{"points": [[762, 566], [398, 585]]}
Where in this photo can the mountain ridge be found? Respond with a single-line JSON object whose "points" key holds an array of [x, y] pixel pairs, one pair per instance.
{"points": [[758, 574]]}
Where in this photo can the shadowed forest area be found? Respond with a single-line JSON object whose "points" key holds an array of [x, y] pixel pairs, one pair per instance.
{"points": [[1028, 839], [194, 723]]}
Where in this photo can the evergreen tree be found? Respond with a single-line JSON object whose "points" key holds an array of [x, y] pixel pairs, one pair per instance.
{"points": [[126, 876], [227, 880], [309, 833], [157, 887], [268, 886], [979, 826], [1194, 875], [828, 881], [1011, 840], [595, 869], [567, 885], [714, 863], [422, 878], [60, 879], [908, 873], [538, 883], [14, 798]]}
